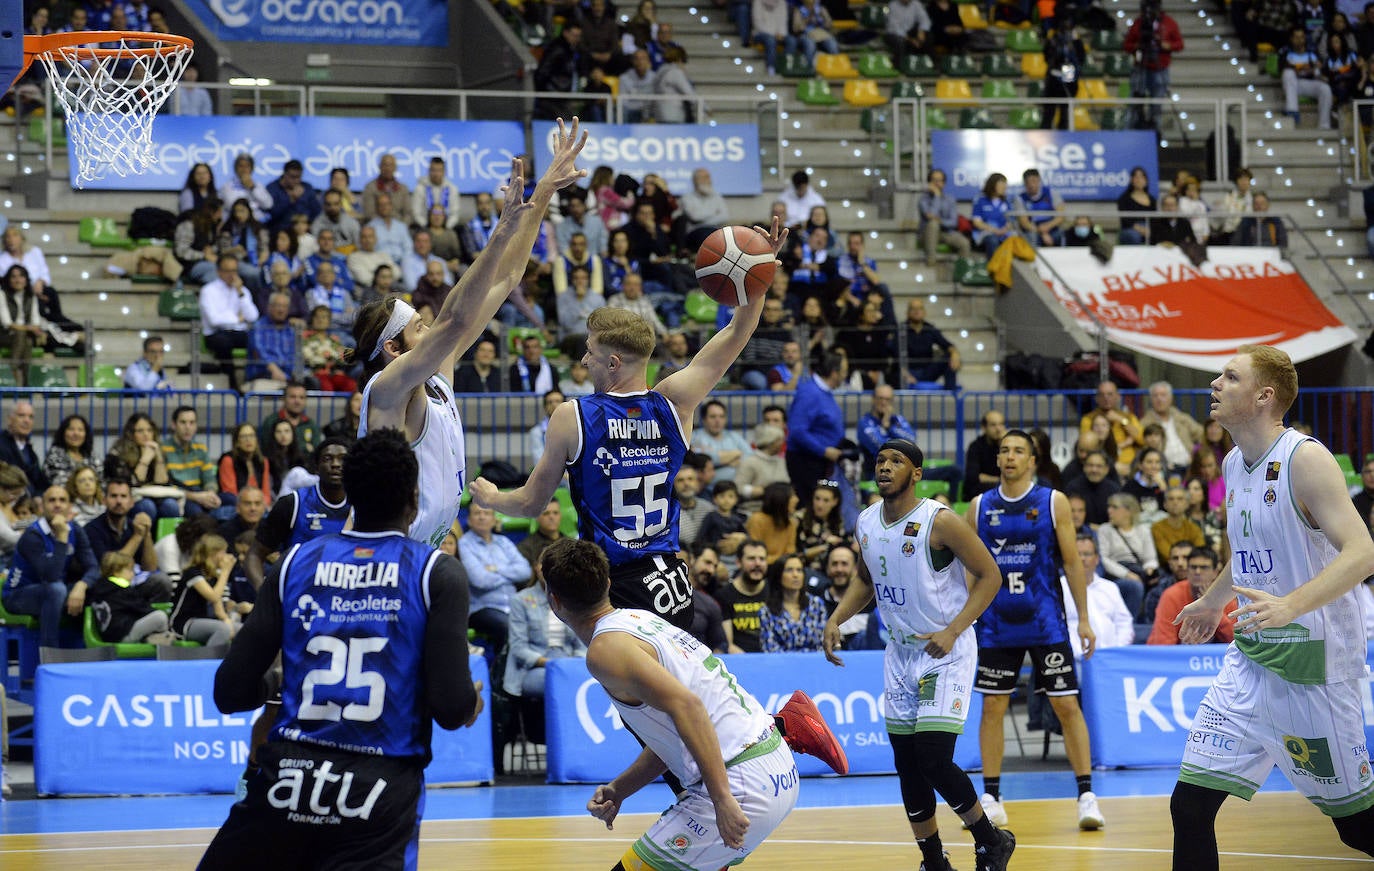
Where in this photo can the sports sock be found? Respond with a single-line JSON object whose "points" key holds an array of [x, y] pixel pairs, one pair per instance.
{"points": [[1085, 783], [993, 787], [932, 852], [983, 831]]}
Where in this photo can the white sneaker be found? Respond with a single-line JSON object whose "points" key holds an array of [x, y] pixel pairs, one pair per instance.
{"points": [[1089, 814], [997, 815]]}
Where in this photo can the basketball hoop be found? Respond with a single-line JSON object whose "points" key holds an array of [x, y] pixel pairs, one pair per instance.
{"points": [[111, 85]]}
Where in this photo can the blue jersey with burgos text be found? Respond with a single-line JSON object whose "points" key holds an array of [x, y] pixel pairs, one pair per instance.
{"points": [[630, 448], [1029, 609], [315, 516], [354, 611]]}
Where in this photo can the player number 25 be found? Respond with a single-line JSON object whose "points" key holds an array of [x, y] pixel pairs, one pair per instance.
{"points": [[1015, 583], [346, 667], [646, 488]]}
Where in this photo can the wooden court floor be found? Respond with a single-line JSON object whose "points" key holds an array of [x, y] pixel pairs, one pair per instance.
{"points": [[1276, 830]]}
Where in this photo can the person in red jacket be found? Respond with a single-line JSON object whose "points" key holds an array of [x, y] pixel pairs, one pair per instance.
{"points": [[1202, 570], [1152, 40]]}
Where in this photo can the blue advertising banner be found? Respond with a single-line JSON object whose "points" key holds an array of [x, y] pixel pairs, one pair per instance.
{"points": [[1092, 165], [349, 22], [477, 153], [587, 743], [1140, 701], [140, 727], [674, 151]]}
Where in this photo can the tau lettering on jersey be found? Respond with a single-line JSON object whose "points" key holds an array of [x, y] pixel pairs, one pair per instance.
{"points": [[895, 595], [1255, 562], [352, 576], [622, 428]]}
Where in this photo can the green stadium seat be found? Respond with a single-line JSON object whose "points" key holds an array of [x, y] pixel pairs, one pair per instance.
{"points": [[876, 65], [1105, 41], [179, 304], [516, 336], [960, 508], [569, 525], [816, 92], [1092, 69], [936, 119], [959, 66], [17, 621], [973, 273], [871, 16], [124, 650], [1118, 66], [166, 526], [7, 378], [1025, 118], [1024, 41], [1344, 462], [927, 489], [873, 121], [106, 377], [700, 307], [102, 233], [976, 119], [48, 375], [918, 66], [999, 66], [506, 523], [38, 130], [1271, 65], [1035, 89], [907, 91], [1000, 89], [794, 66], [1116, 118]]}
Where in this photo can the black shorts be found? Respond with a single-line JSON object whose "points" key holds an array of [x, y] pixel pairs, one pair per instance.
{"points": [[660, 583], [278, 824], [1052, 669]]}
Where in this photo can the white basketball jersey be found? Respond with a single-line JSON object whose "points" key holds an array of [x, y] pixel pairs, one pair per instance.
{"points": [[737, 719], [442, 454], [913, 595], [1275, 550]]}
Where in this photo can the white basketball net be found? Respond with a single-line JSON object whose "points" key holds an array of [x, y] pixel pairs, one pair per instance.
{"points": [[110, 99]]}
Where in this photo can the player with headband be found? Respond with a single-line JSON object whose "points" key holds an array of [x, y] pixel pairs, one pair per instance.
{"points": [[407, 364]]}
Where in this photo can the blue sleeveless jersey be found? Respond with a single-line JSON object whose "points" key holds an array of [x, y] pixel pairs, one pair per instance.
{"points": [[630, 448], [314, 516], [354, 611], [1029, 609]]}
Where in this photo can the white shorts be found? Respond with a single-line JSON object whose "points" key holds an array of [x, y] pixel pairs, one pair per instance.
{"points": [[685, 838], [1252, 719], [925, 694]]}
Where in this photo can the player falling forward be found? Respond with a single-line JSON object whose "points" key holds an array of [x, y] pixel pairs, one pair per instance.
{"points": [[621, 448], [340, 782], [1290, 686], [1029, 531], [915, 557], [739, 778], [407, 364]]}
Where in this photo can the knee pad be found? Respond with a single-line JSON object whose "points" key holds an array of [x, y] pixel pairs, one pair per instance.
{"points": [[1357, 830], [918, 796], [935, 757]]}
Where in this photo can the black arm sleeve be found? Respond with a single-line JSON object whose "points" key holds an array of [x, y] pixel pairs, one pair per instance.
{"points": [[448, 680], [242, 682], [275, 530]]}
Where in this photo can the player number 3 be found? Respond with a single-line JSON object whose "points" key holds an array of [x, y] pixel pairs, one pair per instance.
{"points": [[346, 667]]}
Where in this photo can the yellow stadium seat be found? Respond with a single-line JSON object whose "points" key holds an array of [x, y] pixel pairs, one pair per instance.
{"points": [[1093, 89], [1083, 119], [863, 93], [972, 17], [954, 89], [613, 82], [1033, 66], [835, 66]]}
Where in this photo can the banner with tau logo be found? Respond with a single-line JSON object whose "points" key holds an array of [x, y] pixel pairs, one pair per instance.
{"points": [[587, 743]]}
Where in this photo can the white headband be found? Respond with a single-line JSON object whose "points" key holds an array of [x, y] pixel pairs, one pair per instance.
{"points": [[401, 313]]}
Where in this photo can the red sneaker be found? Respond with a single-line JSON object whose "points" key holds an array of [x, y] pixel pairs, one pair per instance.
{"points": [[806, 732]]}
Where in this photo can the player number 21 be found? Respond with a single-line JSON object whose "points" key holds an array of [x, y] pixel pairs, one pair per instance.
{"points": [[647, 490], [346, 667]]}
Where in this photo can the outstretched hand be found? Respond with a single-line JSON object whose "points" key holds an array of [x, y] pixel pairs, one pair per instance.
{"points": [[514, 191], [777, 237], [567, 145]]}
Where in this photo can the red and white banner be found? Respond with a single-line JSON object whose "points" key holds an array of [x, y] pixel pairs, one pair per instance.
{"points": [[1153, 300]]}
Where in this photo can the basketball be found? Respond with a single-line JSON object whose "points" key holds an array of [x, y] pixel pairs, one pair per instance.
{"points": [[735, 265]]}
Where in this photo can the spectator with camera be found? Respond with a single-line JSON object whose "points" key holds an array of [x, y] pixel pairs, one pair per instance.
{"points": [[1153, 39]]}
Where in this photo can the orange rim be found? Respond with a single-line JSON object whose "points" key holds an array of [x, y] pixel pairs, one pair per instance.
{"points": [[89, 40]]}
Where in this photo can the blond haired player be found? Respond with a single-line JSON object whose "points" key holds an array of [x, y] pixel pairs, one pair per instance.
{"points": [[1290, 686]]}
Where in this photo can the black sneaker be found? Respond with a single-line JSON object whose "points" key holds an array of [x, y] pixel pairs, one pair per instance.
{"points": [[995, 858], [945, 867]]}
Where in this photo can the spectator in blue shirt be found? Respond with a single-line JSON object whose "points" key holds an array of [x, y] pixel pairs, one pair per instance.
{"points": [[146, 373], [272, 345], [495, 570], [51, 554], [881, 423], [291, 196], [815, 425], [1038, 212], [992, 214]]}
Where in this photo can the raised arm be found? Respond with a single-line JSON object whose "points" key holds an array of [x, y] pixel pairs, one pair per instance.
{"points": [[687, 387], [530, 498]]}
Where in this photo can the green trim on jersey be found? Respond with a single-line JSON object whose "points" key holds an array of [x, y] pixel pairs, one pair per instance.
{"points": [[656, 857], [1288, 652], [1223, 782], [925, 724], [1347, 806], [754, 751]]}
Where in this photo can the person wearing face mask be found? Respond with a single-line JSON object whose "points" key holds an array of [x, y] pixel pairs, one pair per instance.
{"points": [[1082, 234]]}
